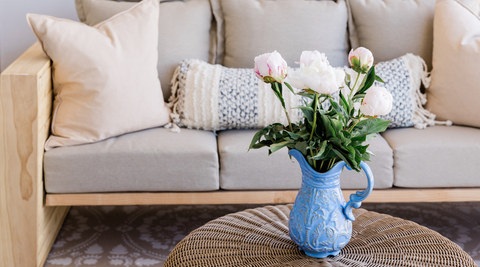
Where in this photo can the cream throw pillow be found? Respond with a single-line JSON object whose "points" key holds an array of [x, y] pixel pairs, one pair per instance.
{"points": [[455, 91], [105, 77]]}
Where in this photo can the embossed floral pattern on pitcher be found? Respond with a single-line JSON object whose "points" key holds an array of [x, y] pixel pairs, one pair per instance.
{"points": [[321, 221]]}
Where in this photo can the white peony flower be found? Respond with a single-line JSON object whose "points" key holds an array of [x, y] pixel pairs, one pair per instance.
{"points": [[271, 67], [378, 101], [315, 73], [312, 57]]}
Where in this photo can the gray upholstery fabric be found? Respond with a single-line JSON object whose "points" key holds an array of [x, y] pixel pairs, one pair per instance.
{"points": [[392, 28], [256, 170], [254, 27], [438, 156], [149, 160], [184, 31]]}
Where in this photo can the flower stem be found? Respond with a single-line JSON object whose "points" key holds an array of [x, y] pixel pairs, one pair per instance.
{"points": [[283, 104], [355, 84], [330, 164], [353, 126], [288, 118], [315, 103]]}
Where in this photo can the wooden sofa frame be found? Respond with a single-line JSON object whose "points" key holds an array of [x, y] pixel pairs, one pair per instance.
{"points": [[30, 218]]}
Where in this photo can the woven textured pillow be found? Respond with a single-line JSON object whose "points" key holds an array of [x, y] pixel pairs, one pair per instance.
{"points": [[213, 97], [403, 77]]}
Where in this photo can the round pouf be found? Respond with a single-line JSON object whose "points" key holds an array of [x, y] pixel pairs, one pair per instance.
{"points": [[259, 237]]}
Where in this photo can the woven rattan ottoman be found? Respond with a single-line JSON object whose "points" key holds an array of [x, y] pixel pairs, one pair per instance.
{"points": [[259, 237]]}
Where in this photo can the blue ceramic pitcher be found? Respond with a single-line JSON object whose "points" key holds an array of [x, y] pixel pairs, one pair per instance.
{"points": [[321, 221]]}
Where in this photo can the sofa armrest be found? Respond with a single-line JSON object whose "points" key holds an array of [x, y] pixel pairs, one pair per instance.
{"points": [[27, 227]]}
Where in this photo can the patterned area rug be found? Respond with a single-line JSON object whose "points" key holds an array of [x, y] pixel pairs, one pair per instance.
{"points": [[145, 235]]}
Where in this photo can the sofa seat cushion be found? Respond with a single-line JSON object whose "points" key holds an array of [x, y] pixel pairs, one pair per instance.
{"points": [[256, 170], [438, 156], [149, 160]]}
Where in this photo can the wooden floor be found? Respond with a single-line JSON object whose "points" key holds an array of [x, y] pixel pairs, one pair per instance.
{"points": [[255, 197]]}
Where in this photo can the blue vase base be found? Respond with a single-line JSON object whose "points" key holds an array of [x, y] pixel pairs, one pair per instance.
{"points": [[322, 254]]}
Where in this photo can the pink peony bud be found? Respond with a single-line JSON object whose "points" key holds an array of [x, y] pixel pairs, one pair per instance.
{"points": [[271, 67], [361, 60], [378, 101]]}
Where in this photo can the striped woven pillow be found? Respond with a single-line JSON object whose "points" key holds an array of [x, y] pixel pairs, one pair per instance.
{"points": [[213, 97]]}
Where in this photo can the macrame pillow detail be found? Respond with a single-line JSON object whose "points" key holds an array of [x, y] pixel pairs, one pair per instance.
{"points": [[403, 77]]}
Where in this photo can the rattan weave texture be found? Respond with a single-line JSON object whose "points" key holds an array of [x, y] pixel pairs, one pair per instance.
{"points": [[259, 237]]}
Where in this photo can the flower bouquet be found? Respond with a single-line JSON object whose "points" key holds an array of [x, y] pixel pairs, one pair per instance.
{"points": [[331, 136], [328, 133]]}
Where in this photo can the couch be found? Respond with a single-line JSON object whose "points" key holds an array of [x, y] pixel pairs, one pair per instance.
{"points": [[158, 167]]}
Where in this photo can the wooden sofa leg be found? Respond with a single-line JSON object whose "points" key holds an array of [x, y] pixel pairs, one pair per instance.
{"points": [[27, 227]]}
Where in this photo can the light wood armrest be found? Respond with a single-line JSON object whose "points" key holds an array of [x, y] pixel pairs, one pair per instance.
{"points": [[27, 227]]}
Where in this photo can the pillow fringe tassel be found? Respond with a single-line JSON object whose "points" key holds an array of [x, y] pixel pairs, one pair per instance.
{"points": [[419, 71], [173, 102]]}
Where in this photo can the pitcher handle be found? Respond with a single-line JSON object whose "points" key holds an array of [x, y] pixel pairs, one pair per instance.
{"points": [[357, 198]]}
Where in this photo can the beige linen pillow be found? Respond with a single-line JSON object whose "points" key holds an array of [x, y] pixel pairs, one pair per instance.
{"points": [[105, 77], [248, 28], [455, 91], [393, 28], [185, 31]]}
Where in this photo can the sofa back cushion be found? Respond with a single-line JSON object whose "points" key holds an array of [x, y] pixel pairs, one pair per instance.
{"points": [[455, 91], [184, 31], [393, 28], [248, 28]]}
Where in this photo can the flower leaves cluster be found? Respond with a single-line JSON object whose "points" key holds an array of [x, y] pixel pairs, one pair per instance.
{"points": [[336, 131]]}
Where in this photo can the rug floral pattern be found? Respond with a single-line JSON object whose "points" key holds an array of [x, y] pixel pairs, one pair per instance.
{"points": [[145, 235]]}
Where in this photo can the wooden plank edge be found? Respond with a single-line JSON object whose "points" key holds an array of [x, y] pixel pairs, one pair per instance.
{"points": [[33, 61], [46, 239], [256, 197]]}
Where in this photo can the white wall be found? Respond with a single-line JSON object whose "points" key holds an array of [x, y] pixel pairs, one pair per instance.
{"points": [[15, 34]]}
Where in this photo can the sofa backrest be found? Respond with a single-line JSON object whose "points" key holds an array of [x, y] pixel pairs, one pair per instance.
{"points": [[233, 32], [184, 31]]}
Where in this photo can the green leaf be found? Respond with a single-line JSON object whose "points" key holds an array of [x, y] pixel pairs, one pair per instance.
{"points": [[257, 137], [277, 91], [348, 79], [344, 103], [339, 109], [319, 154], [369, 80], [302, 147], [306, 94], [359, 96], [370, 137], [361, 149], [378, 79], [370, 126], [294, 135], [261, 144], [289, 87], [279, 88], [337, 125], [327, 126], [307, 112], [340, 155], [277, 146]]}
